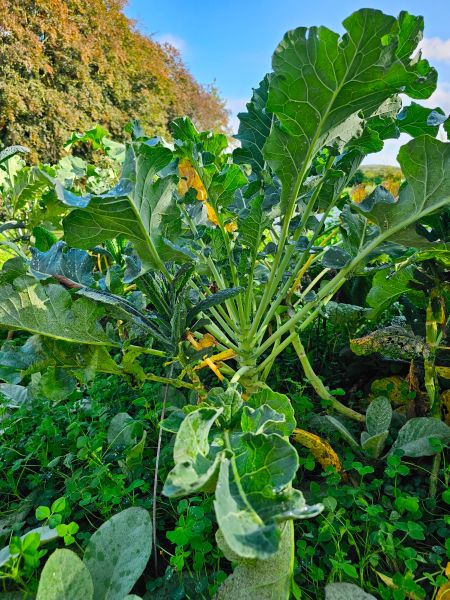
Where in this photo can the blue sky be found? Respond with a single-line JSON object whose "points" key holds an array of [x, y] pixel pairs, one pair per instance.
{"points": [[231, 43]]}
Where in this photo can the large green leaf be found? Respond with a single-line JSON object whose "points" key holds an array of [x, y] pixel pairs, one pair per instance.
{"points": [[117, 553], [254, 128], [425, 162], [73, 264], [414, 437], [416, 120], [252, 224], [65, 577], [238, 448], [279, 403], [39, 353], [387, 287], [49, 310], [323, 83], [141, 207], [253, 493]]}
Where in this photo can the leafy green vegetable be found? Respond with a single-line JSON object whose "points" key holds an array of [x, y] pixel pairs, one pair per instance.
{"points": [[414, 437], [50, 311], [117, 553], [65, 577]]}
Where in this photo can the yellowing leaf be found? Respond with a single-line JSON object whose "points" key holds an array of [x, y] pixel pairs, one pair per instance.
{"points": [[225, 355], [443, 372], [207, 341], [444, 592], [321, 450], [189, 178], [447, 570]]}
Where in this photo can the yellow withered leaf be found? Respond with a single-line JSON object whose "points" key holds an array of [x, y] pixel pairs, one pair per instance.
{"points": [[189, 178], [207, 341], [321, 449], [444, 592], [447, 570]]}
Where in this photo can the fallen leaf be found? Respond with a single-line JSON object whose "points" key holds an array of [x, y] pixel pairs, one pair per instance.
{"points": [[321, 449]]}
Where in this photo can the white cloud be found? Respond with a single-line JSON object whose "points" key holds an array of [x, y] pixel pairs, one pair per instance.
{"points": [[174, 40], [387, 156], [235, 106], [436, 49], [440, 97]]}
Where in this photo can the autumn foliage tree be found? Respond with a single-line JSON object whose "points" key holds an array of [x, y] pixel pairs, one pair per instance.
{"points": [[68, 64]]}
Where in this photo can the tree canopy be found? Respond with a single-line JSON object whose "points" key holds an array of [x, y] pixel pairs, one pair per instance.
{"points": [[68, 64]]}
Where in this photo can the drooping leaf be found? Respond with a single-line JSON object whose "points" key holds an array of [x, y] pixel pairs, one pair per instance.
{"points": [[65, 577], [321, 450], [378, 415], [49, 310], [393, 342], [414, 437], [73, 264], [123, 305], [117, 553], [141, 208]]}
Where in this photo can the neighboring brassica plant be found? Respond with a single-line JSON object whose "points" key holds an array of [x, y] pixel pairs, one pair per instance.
{"points": [[413, 439], [115, 558], [221, 245]]}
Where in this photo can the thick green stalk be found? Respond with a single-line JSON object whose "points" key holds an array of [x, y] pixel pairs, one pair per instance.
{"points": [[278, 269], [318, 385], [169, 381], [334, 284], [210, 264], [298, 266], [435, 319]]}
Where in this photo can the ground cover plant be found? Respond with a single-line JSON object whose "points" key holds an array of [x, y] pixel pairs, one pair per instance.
{"points": [[149, 300]]}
